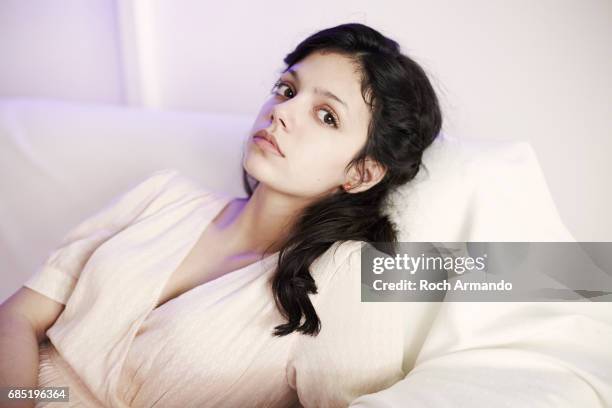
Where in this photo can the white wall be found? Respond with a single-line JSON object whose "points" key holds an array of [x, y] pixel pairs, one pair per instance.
{"points": [[522, 70], [63, 48]]}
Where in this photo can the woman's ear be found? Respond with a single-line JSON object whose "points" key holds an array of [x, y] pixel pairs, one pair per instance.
{"points": [[372, 172]]}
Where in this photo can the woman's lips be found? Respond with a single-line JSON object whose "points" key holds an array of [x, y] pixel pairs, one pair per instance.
{"points": [[266, 144]]}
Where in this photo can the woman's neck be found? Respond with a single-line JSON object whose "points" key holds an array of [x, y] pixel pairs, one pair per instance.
{"points": [[251, 225]]}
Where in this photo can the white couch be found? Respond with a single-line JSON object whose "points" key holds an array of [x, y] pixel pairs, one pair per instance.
{"points": [[60, 162]]}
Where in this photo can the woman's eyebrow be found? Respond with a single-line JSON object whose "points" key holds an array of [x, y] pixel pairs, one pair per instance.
{"points": [[325, 92]]}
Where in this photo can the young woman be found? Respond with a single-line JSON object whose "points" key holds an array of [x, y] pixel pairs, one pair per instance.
{"points": [[174, 296]]}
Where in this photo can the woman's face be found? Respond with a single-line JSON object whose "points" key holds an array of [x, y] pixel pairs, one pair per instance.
{"points": [[317, 133]]}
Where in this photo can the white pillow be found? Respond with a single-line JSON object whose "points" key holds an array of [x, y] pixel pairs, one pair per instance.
{"points": [[477, 190]]}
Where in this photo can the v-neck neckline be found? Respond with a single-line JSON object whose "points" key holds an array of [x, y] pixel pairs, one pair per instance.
{"points": [[222, 202]]}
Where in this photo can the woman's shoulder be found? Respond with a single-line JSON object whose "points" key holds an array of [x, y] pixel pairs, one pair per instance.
{"points": [[172, 179], [346, 251], [171, 185], [339, 257], [340, 252]]}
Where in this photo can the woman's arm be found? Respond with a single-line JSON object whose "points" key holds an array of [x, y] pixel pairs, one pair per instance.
{"points": [[27, 315], [24, 319]]}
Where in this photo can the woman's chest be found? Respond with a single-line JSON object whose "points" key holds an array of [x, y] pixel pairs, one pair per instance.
{"points": [[207, 260], [217, 338], [161, 259]]}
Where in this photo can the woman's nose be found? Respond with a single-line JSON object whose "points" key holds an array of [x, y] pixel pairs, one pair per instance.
{"points": [[280, 120], [280, 115]]}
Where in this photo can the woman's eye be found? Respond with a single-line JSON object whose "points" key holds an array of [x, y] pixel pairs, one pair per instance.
{"points": [[283, 89], [279, 85], [328, 118]]}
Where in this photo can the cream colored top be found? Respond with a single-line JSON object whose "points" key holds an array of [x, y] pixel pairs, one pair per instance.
{"points": [[212, 345]]}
